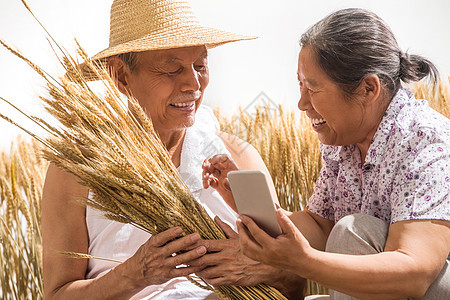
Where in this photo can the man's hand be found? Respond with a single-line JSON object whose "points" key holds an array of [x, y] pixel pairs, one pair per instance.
{"points": [[215, 170], [225, 264], [154, 262]]}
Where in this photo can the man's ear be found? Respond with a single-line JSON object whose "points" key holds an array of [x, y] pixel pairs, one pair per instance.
{"points": [[370, 89], [119, 73]]}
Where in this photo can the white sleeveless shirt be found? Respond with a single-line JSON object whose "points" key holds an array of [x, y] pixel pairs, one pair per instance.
{"points": [[118, 241]]}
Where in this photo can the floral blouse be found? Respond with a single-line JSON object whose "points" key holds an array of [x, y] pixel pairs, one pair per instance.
{"points": [[406, 174]]}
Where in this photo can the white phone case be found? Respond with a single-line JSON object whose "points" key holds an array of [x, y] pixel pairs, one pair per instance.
{"points": [[253, 198]]}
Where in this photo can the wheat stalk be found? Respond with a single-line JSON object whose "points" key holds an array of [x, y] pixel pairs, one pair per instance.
{"points": [[21, 178], [438, 96]]}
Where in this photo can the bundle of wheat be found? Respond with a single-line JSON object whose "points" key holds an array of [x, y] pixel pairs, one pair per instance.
{"points": [[21, 178]]}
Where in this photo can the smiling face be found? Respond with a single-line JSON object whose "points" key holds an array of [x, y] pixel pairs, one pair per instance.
{"points": [[169, 85], [336, 119]]}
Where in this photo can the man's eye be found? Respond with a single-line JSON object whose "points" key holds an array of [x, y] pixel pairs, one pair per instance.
{"points": [[310, 91], [176, 72]]}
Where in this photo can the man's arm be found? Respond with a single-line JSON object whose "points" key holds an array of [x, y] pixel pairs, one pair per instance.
{"points": [[64, 229]]}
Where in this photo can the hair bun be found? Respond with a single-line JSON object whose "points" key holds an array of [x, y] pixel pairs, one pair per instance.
{"points": [[404, 57], [414, 68]]}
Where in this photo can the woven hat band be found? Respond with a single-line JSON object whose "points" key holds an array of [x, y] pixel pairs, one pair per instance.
{"points": [[132, 20]]}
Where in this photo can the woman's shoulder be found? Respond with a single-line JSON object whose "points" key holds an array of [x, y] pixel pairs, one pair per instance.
{"points": [[417, 119]]}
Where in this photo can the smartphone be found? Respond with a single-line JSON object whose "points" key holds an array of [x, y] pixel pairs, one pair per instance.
{"points": [[255, 199]]}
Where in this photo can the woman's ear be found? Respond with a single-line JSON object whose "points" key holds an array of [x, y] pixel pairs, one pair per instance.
{"points": [[370, 89], [119, 73]]}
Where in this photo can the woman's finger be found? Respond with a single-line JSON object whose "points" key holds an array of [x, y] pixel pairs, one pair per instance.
{"points": [[287, 226], [248, 244], [259, 235], [230, 233]]}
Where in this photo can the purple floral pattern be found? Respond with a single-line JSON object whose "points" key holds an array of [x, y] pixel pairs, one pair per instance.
{"points": [[406, 174]]}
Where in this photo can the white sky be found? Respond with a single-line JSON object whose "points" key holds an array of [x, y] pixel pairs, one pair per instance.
{"points": [[238, 71]]}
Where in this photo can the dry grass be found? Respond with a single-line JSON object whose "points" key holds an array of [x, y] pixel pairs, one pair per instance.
{"points": [[438, 97], [21, 178]]}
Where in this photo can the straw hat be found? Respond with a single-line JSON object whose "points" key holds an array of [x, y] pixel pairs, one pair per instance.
{"points": [[141, 25]]}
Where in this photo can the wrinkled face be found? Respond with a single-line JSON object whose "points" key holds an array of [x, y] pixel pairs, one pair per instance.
{"points": [[169, 85], [336, 120]]}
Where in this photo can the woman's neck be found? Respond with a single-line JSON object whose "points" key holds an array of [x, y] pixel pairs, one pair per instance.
{"points": [[374, 117]]}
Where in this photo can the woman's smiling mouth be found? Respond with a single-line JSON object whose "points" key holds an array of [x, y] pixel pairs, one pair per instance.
{"points": [[317, 123]]}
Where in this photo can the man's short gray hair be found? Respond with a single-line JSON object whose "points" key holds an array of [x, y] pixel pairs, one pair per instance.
{"points": [[130, 59]]}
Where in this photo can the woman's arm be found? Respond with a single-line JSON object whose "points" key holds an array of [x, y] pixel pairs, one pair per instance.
{"points": [[64, 229], [313, 227], [415, 252]]}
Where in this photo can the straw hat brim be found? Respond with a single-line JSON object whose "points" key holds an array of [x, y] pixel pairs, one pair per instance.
{"points": [[195, 36]]}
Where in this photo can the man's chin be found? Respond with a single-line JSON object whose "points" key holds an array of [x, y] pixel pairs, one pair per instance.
{"points": [[188, 122]]}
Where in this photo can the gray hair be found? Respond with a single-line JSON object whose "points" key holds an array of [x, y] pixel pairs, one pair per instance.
{"points": [[352, 43], [130, 59]]}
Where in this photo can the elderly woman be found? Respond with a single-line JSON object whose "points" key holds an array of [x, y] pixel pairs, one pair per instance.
{"points": [[157, 54], [377, 224]]}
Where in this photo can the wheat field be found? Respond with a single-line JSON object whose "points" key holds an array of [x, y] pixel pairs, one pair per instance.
{"points": [[287, 145]]}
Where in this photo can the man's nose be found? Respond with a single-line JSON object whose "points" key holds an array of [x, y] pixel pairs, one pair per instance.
{"points": [[190, 80]]}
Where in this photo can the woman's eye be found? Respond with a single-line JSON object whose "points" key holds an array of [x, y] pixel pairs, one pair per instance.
{"points": [[200, 67]]}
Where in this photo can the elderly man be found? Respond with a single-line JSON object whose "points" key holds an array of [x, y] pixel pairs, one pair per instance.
{"points": [[157, 54]]}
